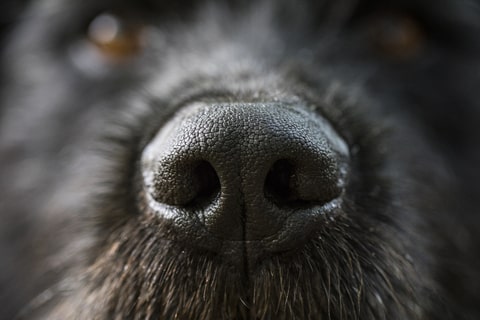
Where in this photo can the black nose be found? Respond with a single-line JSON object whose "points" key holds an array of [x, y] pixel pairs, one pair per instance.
{"points": [[244, 171]]}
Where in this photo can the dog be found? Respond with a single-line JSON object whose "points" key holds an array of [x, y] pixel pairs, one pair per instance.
{"points": [[240, 160]]}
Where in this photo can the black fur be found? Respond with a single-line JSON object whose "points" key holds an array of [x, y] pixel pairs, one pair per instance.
{"points": [[77, 240]]}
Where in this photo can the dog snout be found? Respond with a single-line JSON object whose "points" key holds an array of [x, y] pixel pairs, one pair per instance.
{"points": [[246, 171]]}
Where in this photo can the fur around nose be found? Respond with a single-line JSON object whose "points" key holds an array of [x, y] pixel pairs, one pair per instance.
{"points": [[244, 169]]}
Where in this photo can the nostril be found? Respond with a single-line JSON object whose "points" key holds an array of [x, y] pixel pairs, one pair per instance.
{"points": [[279, 182], [208, 183], [302, 183], [179, 183]]}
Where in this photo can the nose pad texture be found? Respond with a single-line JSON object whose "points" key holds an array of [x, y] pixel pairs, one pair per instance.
{"points": [[242, 170]]}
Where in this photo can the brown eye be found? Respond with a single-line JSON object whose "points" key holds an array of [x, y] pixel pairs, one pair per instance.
{"points": [[397, 36], [115, 38]]}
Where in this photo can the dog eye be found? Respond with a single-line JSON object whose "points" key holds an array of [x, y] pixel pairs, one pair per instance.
{"points": [[396, 36], [117, 39]]}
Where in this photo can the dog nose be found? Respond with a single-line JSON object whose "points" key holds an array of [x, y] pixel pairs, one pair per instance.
{"points": [[244, 171]]}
